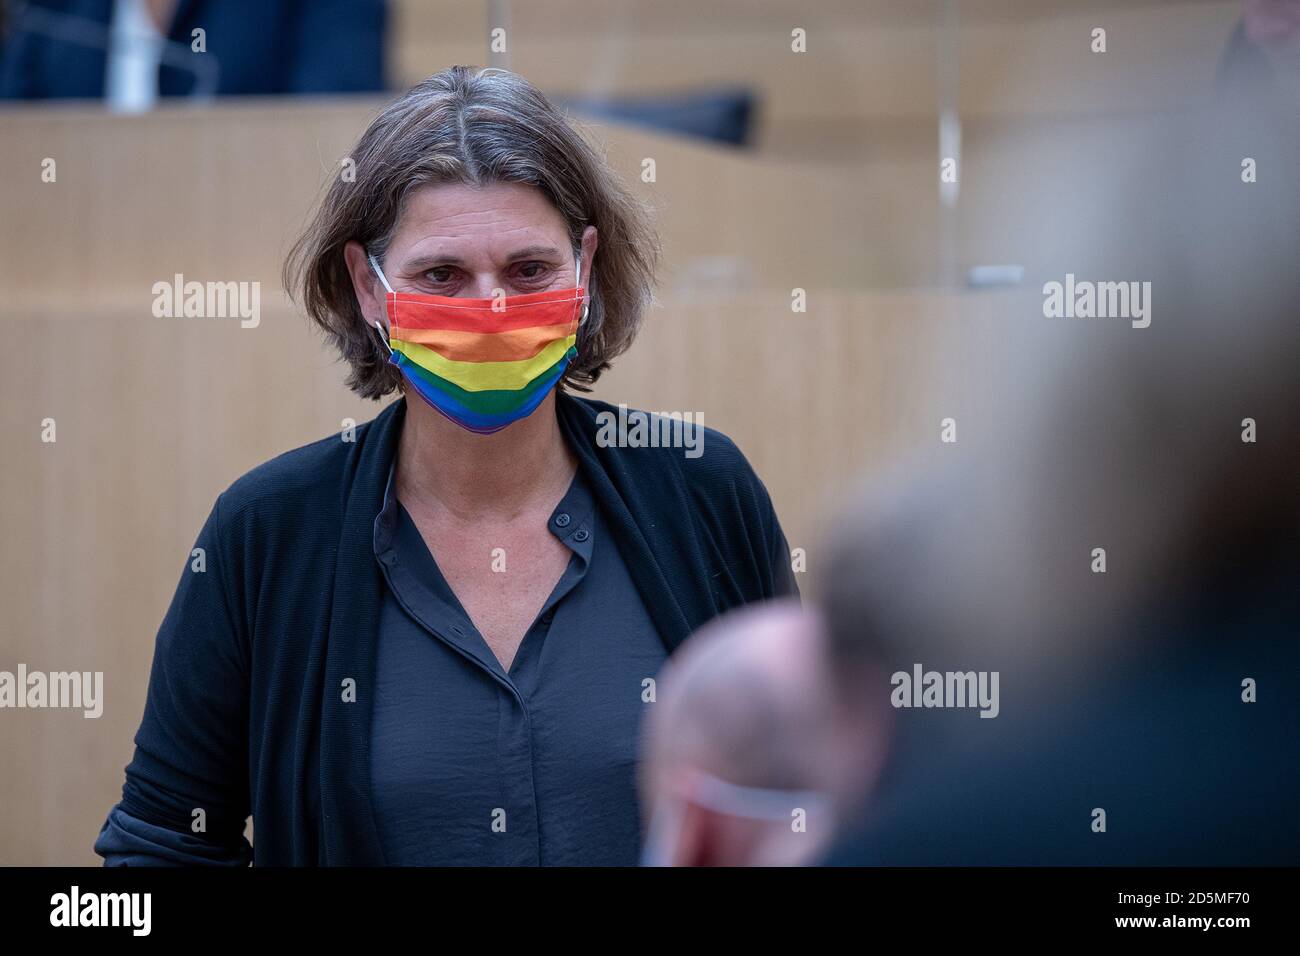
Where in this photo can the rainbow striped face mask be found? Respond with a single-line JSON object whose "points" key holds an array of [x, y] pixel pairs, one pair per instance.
{"points": [[483, 363]]}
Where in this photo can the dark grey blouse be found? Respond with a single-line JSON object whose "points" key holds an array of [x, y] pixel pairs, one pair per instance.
{"points": [[474, 765]]}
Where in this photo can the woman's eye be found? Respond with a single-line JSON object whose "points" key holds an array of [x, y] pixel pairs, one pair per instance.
{"points": [[532, 271], [440, 274]]}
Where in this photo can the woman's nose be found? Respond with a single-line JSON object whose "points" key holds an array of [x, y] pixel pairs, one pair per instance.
{"points": [[487, 287]]}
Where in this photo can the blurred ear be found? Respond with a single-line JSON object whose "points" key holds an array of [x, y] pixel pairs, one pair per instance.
{"points": [[370, 292], [702, 839], [861, 732]]}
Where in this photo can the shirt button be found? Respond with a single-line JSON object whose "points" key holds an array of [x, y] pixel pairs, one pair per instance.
{"points": [[548, 617], [562, 519], [582, 534]]}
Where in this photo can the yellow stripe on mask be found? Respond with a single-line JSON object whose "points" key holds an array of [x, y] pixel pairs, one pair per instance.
{"points": [[485, 376]]}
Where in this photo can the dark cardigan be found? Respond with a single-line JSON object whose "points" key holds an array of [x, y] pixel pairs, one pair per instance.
{"points": [[248, 709]]}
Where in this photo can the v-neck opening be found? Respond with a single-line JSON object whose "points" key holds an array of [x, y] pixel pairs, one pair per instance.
{"points": [[435, 583]]}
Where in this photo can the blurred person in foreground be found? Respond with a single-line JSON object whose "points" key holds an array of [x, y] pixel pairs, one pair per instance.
{"points": [[1146, 710], [743, 760]]}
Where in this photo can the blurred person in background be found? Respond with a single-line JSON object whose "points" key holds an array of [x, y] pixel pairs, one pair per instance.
{"points": [[1148, 710], [740, 758], [1264, 48], [132, 52]]}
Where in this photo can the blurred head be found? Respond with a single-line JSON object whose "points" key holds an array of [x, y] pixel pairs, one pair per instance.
{"points": [[1110, 517], [1274, 26], [469, 183], [739, 753], [1090, 436]]}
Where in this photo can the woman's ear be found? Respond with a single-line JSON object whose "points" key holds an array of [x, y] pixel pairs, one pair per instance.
{"points": [[590, 241], [370, 293]]}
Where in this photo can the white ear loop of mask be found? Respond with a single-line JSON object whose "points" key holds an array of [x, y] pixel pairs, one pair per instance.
{"points": [[665, 822], [577, 281], [753, 803], [383, 336]]}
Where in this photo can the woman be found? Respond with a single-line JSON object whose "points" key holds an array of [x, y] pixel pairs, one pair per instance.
{"points": [[432, 642]]}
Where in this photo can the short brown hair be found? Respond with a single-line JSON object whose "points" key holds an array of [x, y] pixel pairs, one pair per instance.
{"points": [[476, 126]]}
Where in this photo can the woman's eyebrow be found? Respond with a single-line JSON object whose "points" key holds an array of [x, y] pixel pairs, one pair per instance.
{"points": [[421, 263], [542, 251]]}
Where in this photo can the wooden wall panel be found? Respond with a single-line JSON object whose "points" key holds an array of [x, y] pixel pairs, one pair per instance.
{"points": [[870, 65]]}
